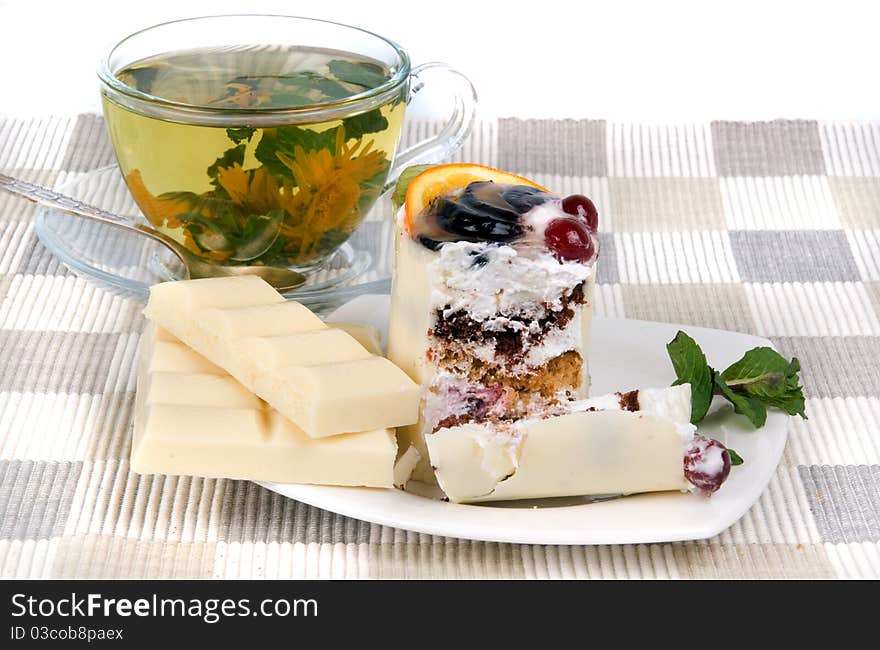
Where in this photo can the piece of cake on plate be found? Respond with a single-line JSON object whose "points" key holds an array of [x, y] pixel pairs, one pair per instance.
{"points": [[621, 443], [491, 298]]}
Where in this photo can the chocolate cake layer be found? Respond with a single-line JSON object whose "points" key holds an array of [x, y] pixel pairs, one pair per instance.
{"points": [[459, 326]]}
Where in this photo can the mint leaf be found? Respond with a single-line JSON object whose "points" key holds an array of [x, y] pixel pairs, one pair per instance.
{"points": [[302, 78], [299, 88], [761, 372], [359, 125], [140, 78], [691, 367], [398, 198], [241, 134], [760, 379], [290, 98], [735, 458], [791, 400], [765, 375], [363, 74], [230, 157], [754, 410]]}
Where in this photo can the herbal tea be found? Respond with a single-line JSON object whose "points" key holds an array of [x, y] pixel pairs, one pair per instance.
{"points": [[284, 195]]}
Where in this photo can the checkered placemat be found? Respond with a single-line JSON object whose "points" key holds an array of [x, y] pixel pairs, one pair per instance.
{"points": [[771, 228]]}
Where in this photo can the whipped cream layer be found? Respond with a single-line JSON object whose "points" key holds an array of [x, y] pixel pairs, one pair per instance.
{"points": [[491, 281]]}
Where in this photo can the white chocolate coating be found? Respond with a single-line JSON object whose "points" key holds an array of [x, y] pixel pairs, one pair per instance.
{"points": [[608, 451]]}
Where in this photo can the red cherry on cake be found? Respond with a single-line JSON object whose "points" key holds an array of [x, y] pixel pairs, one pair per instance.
{"points": [[578, 205], [706, 463], [568, 240]]}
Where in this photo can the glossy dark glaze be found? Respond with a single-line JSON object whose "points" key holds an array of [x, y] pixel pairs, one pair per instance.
{"points": [[483, 211]]}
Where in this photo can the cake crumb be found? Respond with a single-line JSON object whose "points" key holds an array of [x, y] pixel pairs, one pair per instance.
{"points": [[629, 401]]}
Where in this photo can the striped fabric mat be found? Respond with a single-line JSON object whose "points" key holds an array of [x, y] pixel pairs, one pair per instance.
{"points": [[770, 228]]}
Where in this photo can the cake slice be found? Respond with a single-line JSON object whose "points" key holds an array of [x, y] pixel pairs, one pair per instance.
{"points": [[491, 298], [622, 443]]}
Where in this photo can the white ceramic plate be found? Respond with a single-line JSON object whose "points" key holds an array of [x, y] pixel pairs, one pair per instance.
{"points": [[624, 354]]}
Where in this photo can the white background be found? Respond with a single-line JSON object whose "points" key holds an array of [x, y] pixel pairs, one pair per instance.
{"points": [[636, 60]]}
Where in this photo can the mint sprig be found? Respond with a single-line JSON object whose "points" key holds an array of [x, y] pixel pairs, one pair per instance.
{"points": [[754, 410], [691, 368], [764, 375], [762, 378]]}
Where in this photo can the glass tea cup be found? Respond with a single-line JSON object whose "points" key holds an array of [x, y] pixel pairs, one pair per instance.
{"points": [[259, 139]]}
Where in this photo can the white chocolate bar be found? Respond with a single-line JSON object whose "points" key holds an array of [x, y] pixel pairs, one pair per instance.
{"points": [[604, 451], [192, 418], [320, 378], [366, 335]]}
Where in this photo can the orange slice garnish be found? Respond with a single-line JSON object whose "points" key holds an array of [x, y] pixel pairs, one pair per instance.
{"points": [[438, 180]]}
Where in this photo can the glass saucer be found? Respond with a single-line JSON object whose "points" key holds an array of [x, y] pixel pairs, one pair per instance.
{"points": [[127, 263]]}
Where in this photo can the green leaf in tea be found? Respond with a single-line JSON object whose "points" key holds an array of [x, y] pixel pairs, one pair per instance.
{"points": [[243, 134], [229, 158], [307, 87], [207, 203], [140, 78], [288, 194], [361, 73], [330, 89], [359, 125], [301, 78], [285, 139], [691, 368], [258, 234]]}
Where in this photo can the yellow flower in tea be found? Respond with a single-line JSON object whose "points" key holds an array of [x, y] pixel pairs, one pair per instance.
{"points": [[256, 191], [292, 212], [161, 212], [166, 212], [329, 187], [286, 193]]}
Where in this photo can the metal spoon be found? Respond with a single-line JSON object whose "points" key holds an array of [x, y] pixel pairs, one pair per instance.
{"points": [[194, 266]]}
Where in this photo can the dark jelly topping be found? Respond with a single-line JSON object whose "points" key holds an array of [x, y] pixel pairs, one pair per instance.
{"points": [[483, 211]]}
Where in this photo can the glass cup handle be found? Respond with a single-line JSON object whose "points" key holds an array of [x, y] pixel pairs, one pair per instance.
{"points": [[453, 133]]}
